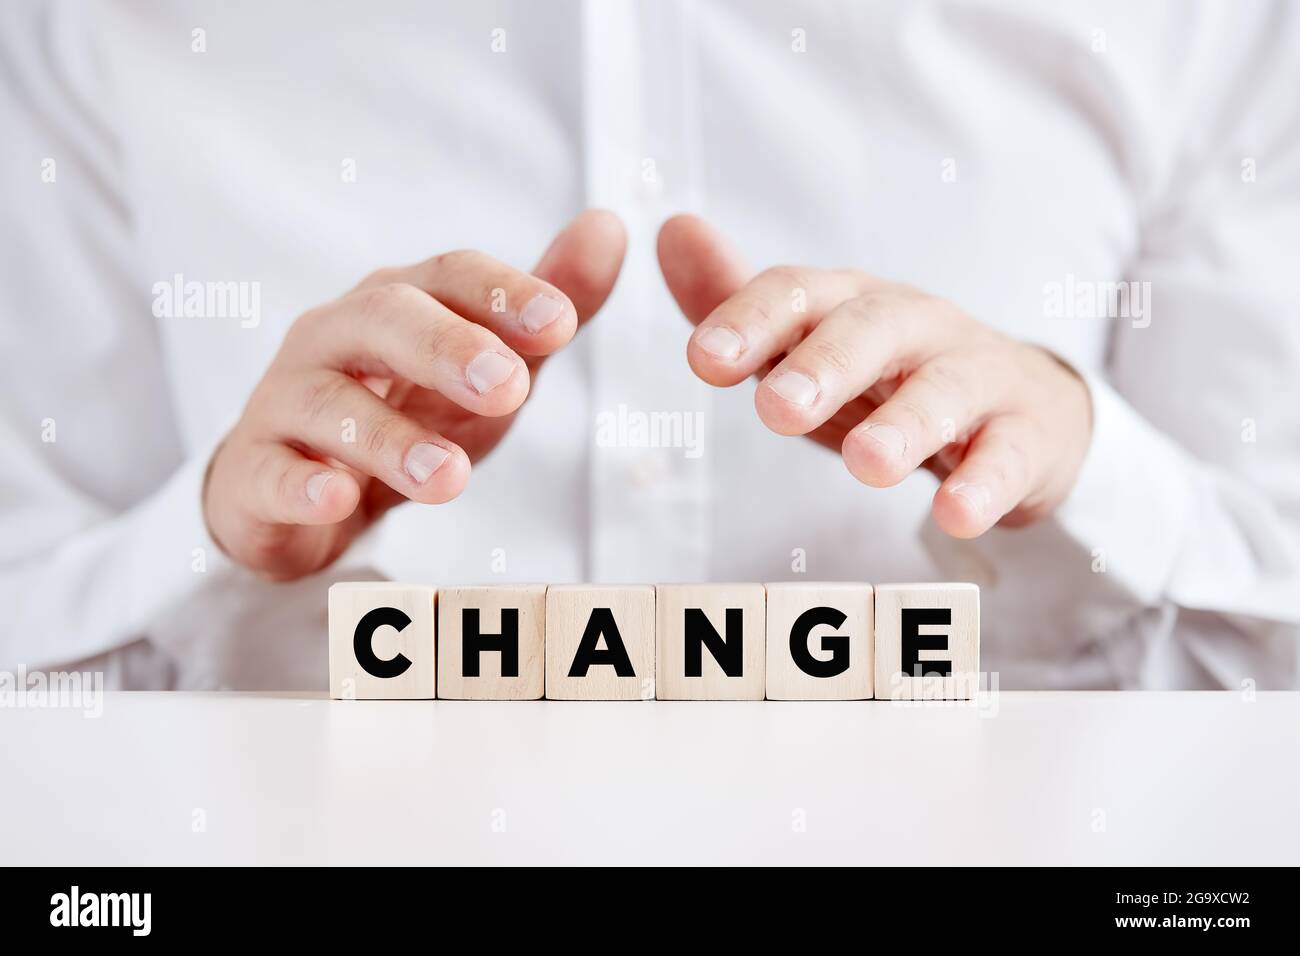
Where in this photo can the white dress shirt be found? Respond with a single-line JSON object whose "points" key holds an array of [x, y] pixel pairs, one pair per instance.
{"points": [[1007, 156]]}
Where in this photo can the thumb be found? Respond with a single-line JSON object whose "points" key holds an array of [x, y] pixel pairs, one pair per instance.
{"points": [[701, 267], [584, 260]]}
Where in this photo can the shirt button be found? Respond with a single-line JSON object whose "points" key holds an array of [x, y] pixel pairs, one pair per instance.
{"points": [[646, 186], [648, 470]]}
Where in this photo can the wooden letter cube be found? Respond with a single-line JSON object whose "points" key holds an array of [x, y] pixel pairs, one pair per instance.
{"points": [[491, 642], [600, 642], [927, 641], [820, 641], [381, 641], [711, 641]]}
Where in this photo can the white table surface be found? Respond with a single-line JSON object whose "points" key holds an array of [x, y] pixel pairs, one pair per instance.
{"points": [[1105, 778]]}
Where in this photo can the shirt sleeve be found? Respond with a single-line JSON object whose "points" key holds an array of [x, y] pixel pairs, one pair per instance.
{"points": [[101, 527], [1178, 551]]}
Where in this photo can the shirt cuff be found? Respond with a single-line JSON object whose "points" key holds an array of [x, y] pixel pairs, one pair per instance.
{"points": [[1133, 500], [169, 553]]}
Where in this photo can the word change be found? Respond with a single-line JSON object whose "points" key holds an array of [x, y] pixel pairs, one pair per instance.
{"points": [[788, 641]]}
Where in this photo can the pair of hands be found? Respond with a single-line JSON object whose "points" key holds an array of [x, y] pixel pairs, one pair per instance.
{"points": [[392, 391]]}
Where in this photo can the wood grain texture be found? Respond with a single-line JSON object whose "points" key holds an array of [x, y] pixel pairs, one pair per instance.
{"points": [[673, 601], [569, 611], [957, 641], [847, 647], [349, 603], [528, 601]]}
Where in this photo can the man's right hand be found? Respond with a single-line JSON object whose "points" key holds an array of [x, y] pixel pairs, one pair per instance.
{"points": [[392, 391]]}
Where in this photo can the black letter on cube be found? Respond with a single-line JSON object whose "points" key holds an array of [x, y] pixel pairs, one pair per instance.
{"points": [[363, 637], [729, 654], [472, 643], [837, 644], [589, 652], [913, 619]]}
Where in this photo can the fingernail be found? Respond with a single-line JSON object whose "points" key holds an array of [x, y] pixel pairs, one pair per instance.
{"points": [[487, 370], [316, 485], [794, 387], [423, 460], [977, 496], [540, 312], [893, 441], [721, 342]]}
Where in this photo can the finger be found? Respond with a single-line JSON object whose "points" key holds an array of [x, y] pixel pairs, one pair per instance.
{"points": [[399, 329], [285, 487], [998, 473], [333, 414], [529, 314], [865, 340], [939, 403], [584, 260], [767, 317], [702, 269]]}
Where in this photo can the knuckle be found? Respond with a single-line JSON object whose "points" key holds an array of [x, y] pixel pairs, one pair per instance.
{"points": [[381, 434], [949, 378], [1018, 463], [1018, 453], [1005, 464], [864, 281], [791, 276], [750, 303], [259, 473], [286, 490], [883, 313], [322, 395], [304, 328], [439, 340], [951, 316], [1000, 472], [385, 275], [921, 416], [877, 306], [455, 260], [382, 302], [833, 354]]}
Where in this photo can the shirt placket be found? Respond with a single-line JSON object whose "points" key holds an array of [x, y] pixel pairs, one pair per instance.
{"points": [[648, 505]]}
